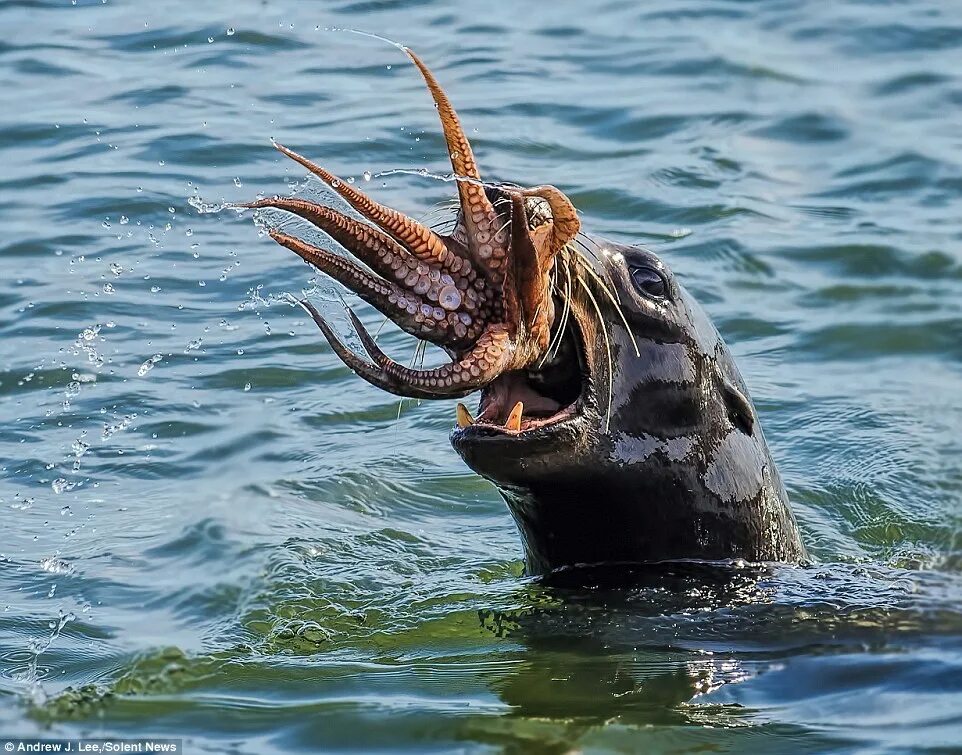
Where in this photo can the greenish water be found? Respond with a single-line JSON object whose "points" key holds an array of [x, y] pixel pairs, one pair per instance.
{"points": [[213, 531]]}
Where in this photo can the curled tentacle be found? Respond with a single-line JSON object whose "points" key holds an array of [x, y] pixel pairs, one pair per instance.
{"points": [[472, 370], [411, 312], [479, 366], [371, 373], [424, 243]]}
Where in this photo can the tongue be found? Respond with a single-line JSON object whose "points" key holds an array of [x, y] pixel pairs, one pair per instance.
{"points": [[507, 391]]}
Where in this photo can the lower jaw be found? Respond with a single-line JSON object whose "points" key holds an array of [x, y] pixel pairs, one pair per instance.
{"points": [[527, 424], [500, 454]]}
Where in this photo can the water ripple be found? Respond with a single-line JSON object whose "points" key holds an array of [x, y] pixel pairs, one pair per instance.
{"points": [[216, 532]]}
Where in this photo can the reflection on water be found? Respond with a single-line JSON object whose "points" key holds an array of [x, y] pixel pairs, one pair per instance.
{"points": [[213, 531]]}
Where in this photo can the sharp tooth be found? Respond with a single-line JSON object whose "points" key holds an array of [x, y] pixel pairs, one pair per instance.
{"points": [[464, 416], [514, 419]]}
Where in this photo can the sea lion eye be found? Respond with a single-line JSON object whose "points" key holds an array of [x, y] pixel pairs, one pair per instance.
{"points": [[649, 281]]}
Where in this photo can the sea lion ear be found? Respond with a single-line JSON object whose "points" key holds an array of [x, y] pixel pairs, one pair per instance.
{"points": [[740, 410]]}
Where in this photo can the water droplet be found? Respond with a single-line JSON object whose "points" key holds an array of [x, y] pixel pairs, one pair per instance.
{"points": [[210, 40], [237, 182], [108, 289], [148, 366], [230, 31], [367, 175], [247, 387]]}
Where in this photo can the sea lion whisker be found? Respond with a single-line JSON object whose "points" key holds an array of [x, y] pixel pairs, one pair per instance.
{"points": [[604, 333], [566, 312], [558, 335], [444, 206], [444, 226], [605, 287], [579, 240], [418, 350], [616, 303], [556, 338]]}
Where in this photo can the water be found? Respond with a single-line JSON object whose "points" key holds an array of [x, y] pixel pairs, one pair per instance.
{"points": [[213, 531]]}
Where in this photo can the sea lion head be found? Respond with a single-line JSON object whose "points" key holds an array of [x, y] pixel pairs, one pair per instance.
{"points": [[638, 439], [633, 364]]}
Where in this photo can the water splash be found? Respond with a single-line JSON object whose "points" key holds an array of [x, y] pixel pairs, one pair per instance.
{"points": [[148, 365], [372, 35], [203, 207]]}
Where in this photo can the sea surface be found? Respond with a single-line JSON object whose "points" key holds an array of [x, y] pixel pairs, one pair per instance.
{"points": [[213, 531]]}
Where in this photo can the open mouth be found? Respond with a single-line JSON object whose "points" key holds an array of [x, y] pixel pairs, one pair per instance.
{"points": [[547, 393]]}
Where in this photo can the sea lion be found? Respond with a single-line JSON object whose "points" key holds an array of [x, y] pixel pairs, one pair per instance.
{"points": [[612, 417]]}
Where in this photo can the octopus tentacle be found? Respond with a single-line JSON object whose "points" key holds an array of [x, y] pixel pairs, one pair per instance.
{"points": [[380, 252], [424, 243], [360, 367], [450, 381], [526, 278], [483, 293], [479, 366], [411, 312], [488, 244]]}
